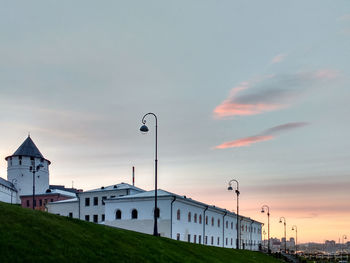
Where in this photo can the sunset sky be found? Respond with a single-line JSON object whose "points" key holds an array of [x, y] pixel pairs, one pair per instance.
{"points": [[256, 91]]}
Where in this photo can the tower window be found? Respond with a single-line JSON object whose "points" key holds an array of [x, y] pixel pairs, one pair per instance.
{"points": [[20, 160]]}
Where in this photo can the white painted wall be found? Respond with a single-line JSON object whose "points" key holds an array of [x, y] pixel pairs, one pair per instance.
{"points": [[18, 171], [64, 208], [7, 195]]}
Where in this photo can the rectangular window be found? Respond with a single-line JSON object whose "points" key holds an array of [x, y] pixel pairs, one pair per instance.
{"points": [[95, 200], [212, 240], [199, 239], [112, 196], [87, 201], [206, 240], [218, 240], [103, 199], [103, 217], [51, 200], [231, 241], [87, 218], [195, 239], [95, 218], [40, 202], [178, 236], [70, 214], [28, 204], [188, 238], [226, 241]]}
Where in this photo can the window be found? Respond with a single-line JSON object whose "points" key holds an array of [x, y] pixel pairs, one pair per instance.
{"points": [[226, 241], [226, 224], [40, 202], [200, 219], [188, 238], [189, 216], [178, 236], [231, 225], [195, 239], [112, 196], [212, 240], [28, 204], [178, 214], [87, 218], [20, 160], [195, 218], [212, 221], [87, 201], [218, 241], [103, 200], [231, 241], [157, 211], [70, 215], [206, 220], [95, 218], [103, 217], [199, 239], [95, 200], [134, 214], [51, 200], [206, 240], [118, 214], [246, 228], [218, 222]]}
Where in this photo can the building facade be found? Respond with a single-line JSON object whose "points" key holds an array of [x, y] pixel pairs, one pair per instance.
{"points": [[8, 192], [182, 218]]}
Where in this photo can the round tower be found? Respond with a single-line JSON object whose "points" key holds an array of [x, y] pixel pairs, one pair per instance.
{"points": [[19, 169]]}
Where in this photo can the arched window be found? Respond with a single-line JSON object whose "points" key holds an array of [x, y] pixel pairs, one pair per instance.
{"points": [[195, 218], [118, 214], [157, 212], [189, 216], [212, 221], [218, 222], [200, 219], [134, 214], [206, 220], [178, 214]]}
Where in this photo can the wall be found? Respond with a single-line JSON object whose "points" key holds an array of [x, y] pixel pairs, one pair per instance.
{"points": [[63, 208]]}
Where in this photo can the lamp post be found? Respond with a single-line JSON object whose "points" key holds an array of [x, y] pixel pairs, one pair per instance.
{"points": [[285, 233], [264, 233], [294, 227], [342, 250], [268, 225], [238, 241], [144, 129], [34, 169], [13, 180]]}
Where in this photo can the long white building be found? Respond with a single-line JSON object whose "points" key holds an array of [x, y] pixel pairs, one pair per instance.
{"points": [[182, 219]]}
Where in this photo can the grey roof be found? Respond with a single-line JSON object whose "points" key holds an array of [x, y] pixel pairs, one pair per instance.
{"points": [[7, 184], [115, 187], [28, 148]]}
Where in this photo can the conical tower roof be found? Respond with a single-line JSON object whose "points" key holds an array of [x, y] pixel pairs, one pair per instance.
{"points": [[28, 148]]}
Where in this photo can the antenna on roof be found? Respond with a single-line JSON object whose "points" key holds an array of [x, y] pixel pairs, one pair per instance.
{"points": [[28, 134], [133, 176]]}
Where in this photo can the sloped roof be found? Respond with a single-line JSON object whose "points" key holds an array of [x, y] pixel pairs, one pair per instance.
{"points": [[7, 184], [28, 148], [115, 187]]}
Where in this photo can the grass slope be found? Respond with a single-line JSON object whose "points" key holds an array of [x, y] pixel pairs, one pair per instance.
{"points": [[34, 236]]}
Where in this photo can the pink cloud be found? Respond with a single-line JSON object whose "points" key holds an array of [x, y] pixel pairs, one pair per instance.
{"points": [[279, 58], [266, 135], [325, 74], [229, 108], [244, 141]]}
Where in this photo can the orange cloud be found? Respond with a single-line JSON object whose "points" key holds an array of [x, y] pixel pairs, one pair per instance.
{"points": [[244, 141], [278, 58]]}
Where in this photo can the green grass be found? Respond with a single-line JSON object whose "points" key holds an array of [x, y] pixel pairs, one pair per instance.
{"points": [[34, 236]]}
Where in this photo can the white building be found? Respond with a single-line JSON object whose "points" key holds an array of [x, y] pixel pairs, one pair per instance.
{"points": [[8, 192], [18, 169], [182, 219], [90, 205]]}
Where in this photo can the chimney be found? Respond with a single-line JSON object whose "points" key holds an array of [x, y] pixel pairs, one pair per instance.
{"points": [[133, 176]]}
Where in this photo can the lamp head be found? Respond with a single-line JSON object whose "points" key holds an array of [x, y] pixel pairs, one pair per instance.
{"points": [[144, 129], [262, 210], [230, 188], [280, 220], [293, 228]]}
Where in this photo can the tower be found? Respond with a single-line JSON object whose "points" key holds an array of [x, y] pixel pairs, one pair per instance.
{"points": [[19, 173]]}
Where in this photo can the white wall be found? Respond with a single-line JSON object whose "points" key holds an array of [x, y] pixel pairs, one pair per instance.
{"points": [[64, 208], [23, 177], [7, 195]]}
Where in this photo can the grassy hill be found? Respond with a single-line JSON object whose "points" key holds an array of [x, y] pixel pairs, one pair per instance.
{"points": [[34, 236]]}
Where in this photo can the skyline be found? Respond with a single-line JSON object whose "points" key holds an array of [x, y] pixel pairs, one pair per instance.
{"points": [[253, 92]]}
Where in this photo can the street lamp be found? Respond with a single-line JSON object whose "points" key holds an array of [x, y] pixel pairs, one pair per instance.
{"points": [[268, 225], [238, 242], [13, 183], [342, 250], [294, 227], [144, 129], [34, 169], [285, 235], [264, 233]]}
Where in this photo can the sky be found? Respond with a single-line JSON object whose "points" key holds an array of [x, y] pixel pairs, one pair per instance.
{"points": [[255, 91]]}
